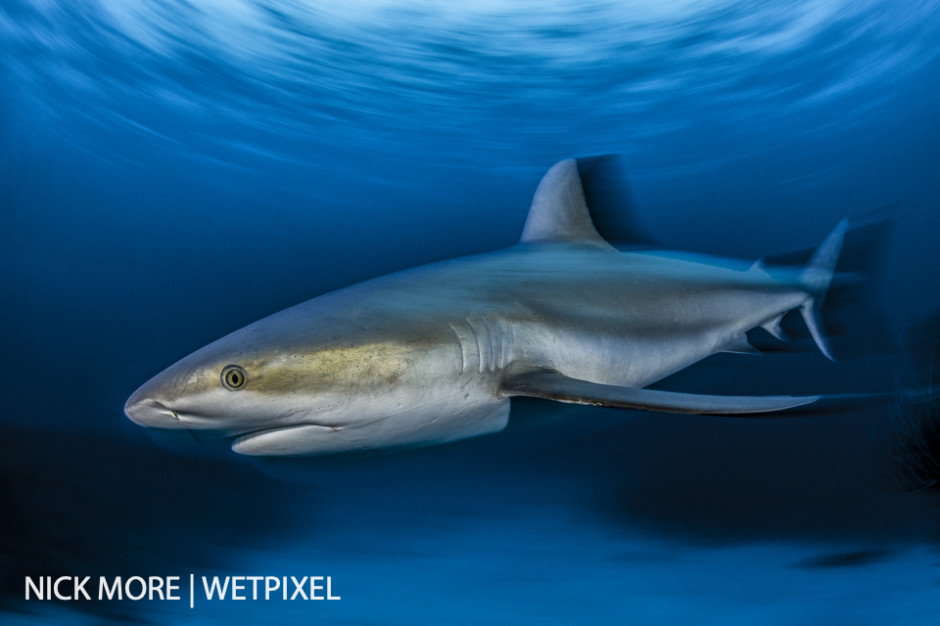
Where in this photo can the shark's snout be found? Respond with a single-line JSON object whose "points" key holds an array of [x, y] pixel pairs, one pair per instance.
{"points": [[146, 412]]}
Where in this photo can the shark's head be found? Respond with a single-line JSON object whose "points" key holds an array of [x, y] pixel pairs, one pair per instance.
{"points": [[281, 391]]}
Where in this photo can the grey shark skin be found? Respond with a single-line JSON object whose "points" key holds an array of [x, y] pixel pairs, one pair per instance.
{"points": [[434, 354]]}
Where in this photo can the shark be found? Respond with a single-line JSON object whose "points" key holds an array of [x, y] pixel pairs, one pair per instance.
{"points": [[435, 354]]}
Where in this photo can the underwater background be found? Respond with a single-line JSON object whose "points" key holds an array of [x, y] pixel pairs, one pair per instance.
{"points": [[172, 170]]}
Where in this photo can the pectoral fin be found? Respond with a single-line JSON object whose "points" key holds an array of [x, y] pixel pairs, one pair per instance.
{"points": [[552, 385]]}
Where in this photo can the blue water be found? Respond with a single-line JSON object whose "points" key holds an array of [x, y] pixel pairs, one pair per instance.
{"points": [[173, 170]]}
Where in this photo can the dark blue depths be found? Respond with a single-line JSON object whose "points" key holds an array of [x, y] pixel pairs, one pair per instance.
{"points": [[174, 170]]}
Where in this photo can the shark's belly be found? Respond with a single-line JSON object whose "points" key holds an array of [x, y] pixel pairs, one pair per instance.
{"points": [[625, 346], [627, 359]]}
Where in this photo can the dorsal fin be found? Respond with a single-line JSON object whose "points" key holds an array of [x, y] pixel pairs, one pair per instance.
{"points": [[559, 211]]}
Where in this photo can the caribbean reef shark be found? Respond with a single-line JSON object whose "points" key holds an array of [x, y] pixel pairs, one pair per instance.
{"points": [[434, 354]]}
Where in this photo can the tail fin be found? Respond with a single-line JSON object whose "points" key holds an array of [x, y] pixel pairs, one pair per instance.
{"points": [[817, 275]]}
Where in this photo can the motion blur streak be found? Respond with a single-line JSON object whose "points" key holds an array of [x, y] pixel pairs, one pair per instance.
{"points": [[276, 73]]}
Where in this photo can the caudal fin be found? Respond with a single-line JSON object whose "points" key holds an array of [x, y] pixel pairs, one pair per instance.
{"points": [[817, 276]]}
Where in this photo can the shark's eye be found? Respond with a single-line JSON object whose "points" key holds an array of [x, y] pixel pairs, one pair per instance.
{"points": [[233, 377]]}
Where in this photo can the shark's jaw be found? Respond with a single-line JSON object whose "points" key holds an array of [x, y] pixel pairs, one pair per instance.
{"points": [[285, 440]]}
